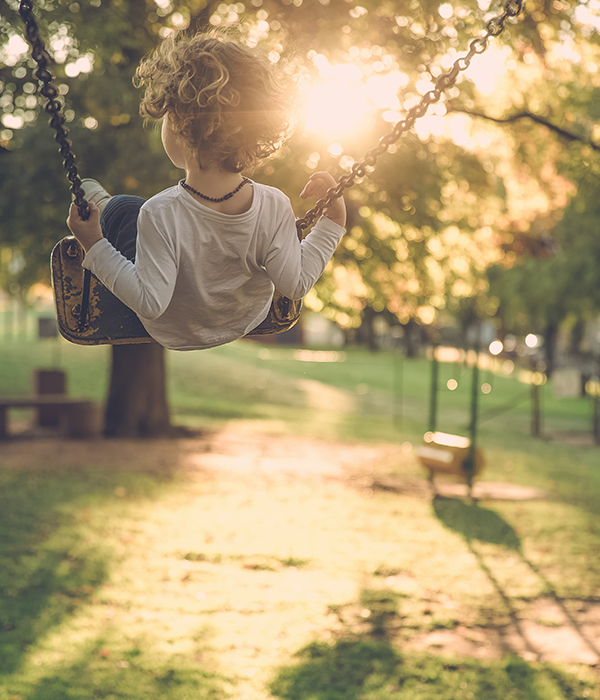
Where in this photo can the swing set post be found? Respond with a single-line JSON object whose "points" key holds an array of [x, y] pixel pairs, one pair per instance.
{"points": [[596, 420], [469, 465], [536, 402], [433, 393], [536, 412], [596, 408], [398, 377]]}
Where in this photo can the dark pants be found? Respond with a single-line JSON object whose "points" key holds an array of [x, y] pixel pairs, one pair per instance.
{"points": [[118, 222]]}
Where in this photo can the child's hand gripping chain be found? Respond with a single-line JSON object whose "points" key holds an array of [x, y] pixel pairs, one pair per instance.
{"points": [[317, 187], [86, 232]]}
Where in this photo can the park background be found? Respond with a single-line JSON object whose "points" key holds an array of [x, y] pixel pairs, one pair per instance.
{"points": [[285, 544]]}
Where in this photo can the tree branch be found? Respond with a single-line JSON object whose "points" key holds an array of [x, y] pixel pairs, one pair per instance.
{"points": [[563, 133]]}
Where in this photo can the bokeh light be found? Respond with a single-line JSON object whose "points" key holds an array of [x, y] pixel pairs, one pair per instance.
{"points": [[496, 347], [531, 340]]}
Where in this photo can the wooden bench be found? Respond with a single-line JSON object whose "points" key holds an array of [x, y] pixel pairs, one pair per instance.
{"points": [[78, 418]]}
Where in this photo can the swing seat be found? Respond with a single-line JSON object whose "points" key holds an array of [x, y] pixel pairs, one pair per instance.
{"points": [[87, 313], [443, 453]]}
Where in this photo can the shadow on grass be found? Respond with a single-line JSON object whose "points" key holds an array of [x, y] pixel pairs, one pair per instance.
{"points": [[473, 522], [129, 674], [364, 669], [370, 667], [52, 558]]}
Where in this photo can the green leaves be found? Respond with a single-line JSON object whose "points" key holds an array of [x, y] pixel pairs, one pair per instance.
{"points": [[453, 197]]}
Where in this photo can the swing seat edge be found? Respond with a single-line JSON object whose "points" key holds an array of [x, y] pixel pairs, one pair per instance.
{"points": [[108, 322]]}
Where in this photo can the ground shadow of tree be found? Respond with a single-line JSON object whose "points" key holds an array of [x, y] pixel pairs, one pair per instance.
{"points": [[130, 674], [51, 561], [369, 667], [364, 669]]}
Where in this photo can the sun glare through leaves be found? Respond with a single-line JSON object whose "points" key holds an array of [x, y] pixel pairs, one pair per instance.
{"points": [[345, 99]]}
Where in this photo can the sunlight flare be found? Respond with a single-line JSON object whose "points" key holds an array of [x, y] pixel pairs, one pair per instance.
{"points": [[343, 100]]}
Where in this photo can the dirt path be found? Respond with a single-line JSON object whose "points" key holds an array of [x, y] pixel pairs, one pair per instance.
{"points": [[265, 535]]}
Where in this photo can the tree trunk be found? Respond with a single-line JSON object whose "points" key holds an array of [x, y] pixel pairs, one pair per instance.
{"points": [[137, 402], [410, 345], [550, 334], [367, 331], [576, 337]]}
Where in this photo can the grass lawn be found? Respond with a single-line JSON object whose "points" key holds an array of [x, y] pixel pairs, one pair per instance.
{"points": [[263, 562]]}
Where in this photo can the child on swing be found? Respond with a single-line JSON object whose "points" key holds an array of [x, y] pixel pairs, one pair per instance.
{"points": [[198, 262]]}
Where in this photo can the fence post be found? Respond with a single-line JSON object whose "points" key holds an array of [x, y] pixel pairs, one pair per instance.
{"points": [[596, 408], [596, 419], [469, 463], [536, 411], [398, 377], [433, 395]]}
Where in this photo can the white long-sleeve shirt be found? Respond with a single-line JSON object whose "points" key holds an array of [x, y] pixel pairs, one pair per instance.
{"points": [[203, 278]]}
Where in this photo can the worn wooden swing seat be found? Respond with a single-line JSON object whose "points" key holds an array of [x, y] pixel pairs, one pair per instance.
{"points": [[88, 313], [443, 453]]}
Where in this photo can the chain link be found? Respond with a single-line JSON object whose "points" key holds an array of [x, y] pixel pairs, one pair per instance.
{"points": [[53, 106], [494, 27]]}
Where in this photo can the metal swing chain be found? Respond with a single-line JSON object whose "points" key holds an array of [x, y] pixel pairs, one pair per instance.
{"points": [[494, 27], [53, 106]]}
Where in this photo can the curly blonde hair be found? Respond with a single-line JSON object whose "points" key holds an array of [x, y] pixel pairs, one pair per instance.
{"points": [[223, 99]]}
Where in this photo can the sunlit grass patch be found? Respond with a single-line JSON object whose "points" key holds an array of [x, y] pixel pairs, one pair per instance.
{"points": [[66, 532], [168, 565], [178, 578], [363, 396]]}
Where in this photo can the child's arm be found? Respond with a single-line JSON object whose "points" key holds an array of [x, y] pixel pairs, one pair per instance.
{"points": [[317, 186], [145, 286], [295, 266]]}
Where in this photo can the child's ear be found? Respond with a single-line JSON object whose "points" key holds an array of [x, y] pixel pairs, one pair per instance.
{"points": [[232, 164]]}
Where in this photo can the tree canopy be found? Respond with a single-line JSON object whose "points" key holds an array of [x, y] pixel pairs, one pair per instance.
{"points": [[490, 199]]}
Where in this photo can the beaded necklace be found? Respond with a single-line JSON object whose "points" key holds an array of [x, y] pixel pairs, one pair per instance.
{"points": [[184, 184]]}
